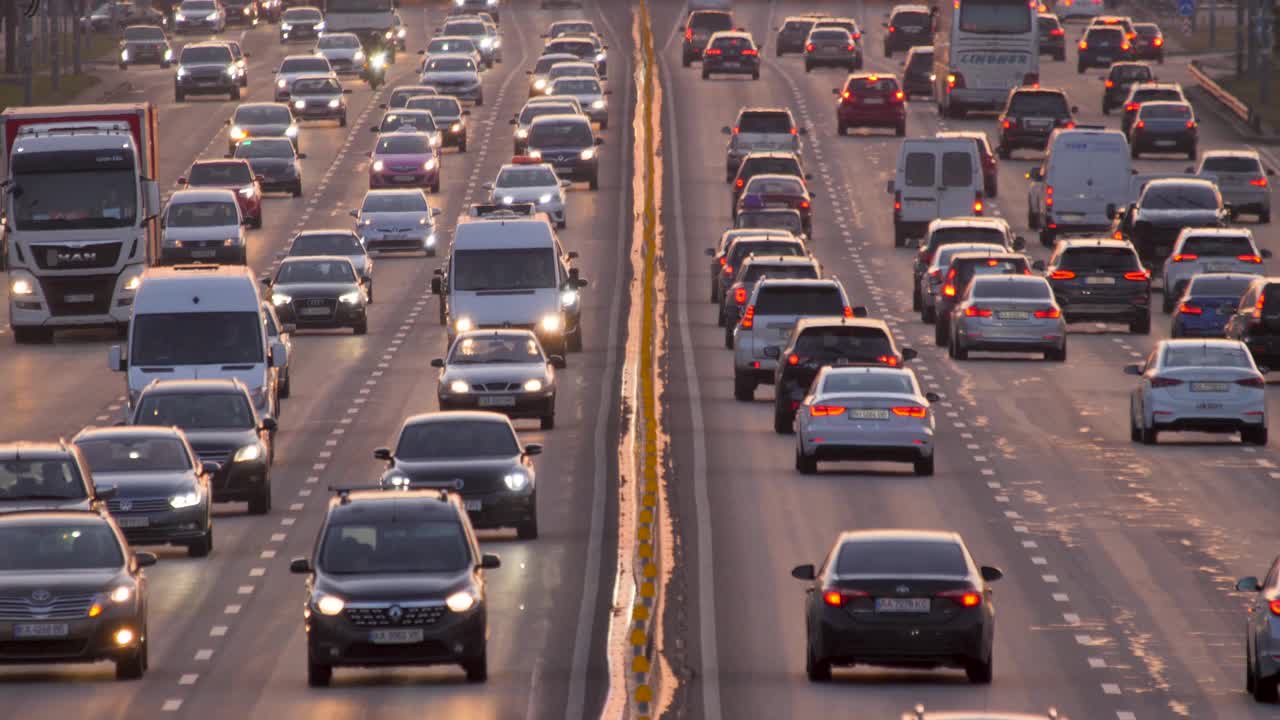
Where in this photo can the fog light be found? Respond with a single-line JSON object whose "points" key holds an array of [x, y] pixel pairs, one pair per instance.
{"points": [[123, 637]]}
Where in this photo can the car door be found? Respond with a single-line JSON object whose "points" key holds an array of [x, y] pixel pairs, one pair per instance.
{"points": [[920, 173], [1243, 312], [958, 187], [1259, 612]]}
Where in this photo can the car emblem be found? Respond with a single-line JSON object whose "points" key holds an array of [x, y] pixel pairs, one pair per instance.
{"points": [[903, 589], [458, 483], [126, 505], [396, 613], [41, 596]]}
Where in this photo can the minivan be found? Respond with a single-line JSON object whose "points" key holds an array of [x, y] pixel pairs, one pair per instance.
{"points": [[935, 178], [1083, 171]]}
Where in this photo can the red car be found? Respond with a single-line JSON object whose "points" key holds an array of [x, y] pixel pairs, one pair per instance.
{"points": [[871, 100], [778, 191], [234, 175]]}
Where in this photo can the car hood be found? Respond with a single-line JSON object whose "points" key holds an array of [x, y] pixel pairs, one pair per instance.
{"points": [[378, 220], [61, 582], [146, 484], [496, 307], [264, 129], [450, 468], [220, 439], [8, 506], [524, 194], [270, 165], [392, 587], [314, 289], [339, 53], [204, 67], [190, 234], [480, 374], [401, 160]]}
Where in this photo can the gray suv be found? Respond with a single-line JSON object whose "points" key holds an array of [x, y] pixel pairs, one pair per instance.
{"points": [[760, 129]]}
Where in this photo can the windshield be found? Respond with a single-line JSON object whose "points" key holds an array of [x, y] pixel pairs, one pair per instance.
{"points": [[338, 41], [1209, 286], [1131, 73], [263, 115], [207, 54], [67, 545], [853, 343], [143, 33], [516, 269], [778, 220], [951, 236], [920, 62], [300, 15], [564, 134], [196, 411], [52, 479], [771, 166], [213, 338], [317, 86], [196, 6], [526, 177], [418, 121], [1204, 355], [334, 244], [67, 199], [403, 144], [743, 248], [457, 439], [755, 271], [1218, 245], [1180, 197], [305, 65], [463, 28], [451, 45], [533, 110], [315, 271], [496, 348], [1107, 259], [569, 28], [711, 21], [799, 300], [201, 214], [1000, 287], [896, 558], [402, 545], [996, 17], [394, 202], [868, 382], [438, 106], [765, 122], [265, 148], [1045, 103], [774, 186], [564, 70], [220, 174], [1232, 164], [135, 454], [450, 65]]}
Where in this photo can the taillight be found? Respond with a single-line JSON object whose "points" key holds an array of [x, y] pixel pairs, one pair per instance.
{"points": [[825, 410], [1188, 309], [1124, 46], [749, 317], [723, 260], [809, 47], [1057, 32], [899, 96], [856, 36], [963, 598], [739, 183], [1131, 107], [949, 290], [1275, 607], [846, 95], [848, 311], [736, 129], [955, 80], [833, 598], [912, 411], [804, 204], [897, 205], [972, 311], [1258, 182], [1158, 42], [1032, 79], [750, 52], [795, 131], [1062, 275], [977, 203], [1140, 124], [1049, 314], [688, 33], [1048, 196], [1110, 84], [793, 359], [935, 273], [1158, 382], [1257, 309], [1007, 124], [728, 269], [890, 360], [849, 47], [1139, 275], [1185, 257], [1249, 259], [1191, 124], [1253, 382], [740, 295], [712, 51], [1084, 45], [893, 29]]}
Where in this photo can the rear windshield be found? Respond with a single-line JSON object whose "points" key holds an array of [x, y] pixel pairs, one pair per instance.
{"points": [[763, 247], [837, 34], [770, 166], [1205, 286], [1180, 197], [792, 26], [332, 244], [873, 84], [263, 115], [765, 122], [220, 174], [1047, 23], [779, 220], [1217, 245], [992, 266], [957, 169], [1156, 94], [1164, 111], [900, 557], [1206, 356], [1146, 29], [305, 65], [868, 382], [853, 343], [1104, 34], [1232, 164], [789, 272], [725, 43], [1003, 288], [799, 300], [1048, 103], [711, 21], [911, 19], [1131, 73], [919, 170], [920, 62], [775, 186], [950, 236], [1101, 258]]}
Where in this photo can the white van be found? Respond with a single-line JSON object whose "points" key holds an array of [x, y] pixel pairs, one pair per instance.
{"points": [[506, 268], [197, 322], [937, 178], [1083, 172]]}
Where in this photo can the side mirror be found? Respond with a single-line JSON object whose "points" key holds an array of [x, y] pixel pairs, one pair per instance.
{"points": [[354, 213], [437, 362], [533, 449], [487, 186], [726, 130], [1248, 584], [435, 212], [1133, 369], [804, 572], [1019, 242], [210, 468], [180, 181], [608, 92], [772, 352], [1271, 172], [382, 453], [1038, 266], [302, 156], [373, 129], [579, 283], [599, 141], [260, 178], [932, 397], [512, 121], [859, 311], [279, 355], [1263, 369], [573, 255], [565, 183], [1266, 253], [710, 252], [1074, 109], [557, 362], [269, 424], [835, 91], [1111, 211], [346, 91], [300, 566], [909, 354], [1189, 170], [436, 286], [888, 188], [990, 574], [104, 492], [466, 112], [574, 274], [116, 361], [489, 561], [144, 559], [802, 131]]}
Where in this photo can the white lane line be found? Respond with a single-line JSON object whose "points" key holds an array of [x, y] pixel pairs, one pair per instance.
{"points": [[244, 590], [1050, 579], [1097, 663], [218, 631], [257, 572], [1071, 618], [188, 679], [1110, 688], [203, 655], [171, 705], [231, 610]]}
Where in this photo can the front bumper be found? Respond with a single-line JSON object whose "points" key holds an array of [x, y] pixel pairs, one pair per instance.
{"points": [[74, 302], [524, 404], [410, 178], [501, 509], [165, 527], [471, 94], [319, 112], [452, 638], [189, 26], [338, 315], [200, 253], [886, 115], [223, 83], [86, 640]]}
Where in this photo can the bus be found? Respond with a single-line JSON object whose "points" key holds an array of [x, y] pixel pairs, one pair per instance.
{"points": [[989, 48]]}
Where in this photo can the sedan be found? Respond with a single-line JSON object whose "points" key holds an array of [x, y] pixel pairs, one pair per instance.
{"points": [[501, 370], [768, 190], [397, 220], [309, 243], [294, 67], [1262, 635], [319, 291], [455, 75], [1149, 43], [1241, 178], [865, 413], [1164, 127], [541, 72], [410, 121], [1008, 313], [1207, 302], [319, 97], [1198, 385], [933, 281], [731, 53], [589, 93], [404, 159], [530, 181], [450, 118], [234, 175], [261, 120], [868, 602], [276, 161], [145, 43]]}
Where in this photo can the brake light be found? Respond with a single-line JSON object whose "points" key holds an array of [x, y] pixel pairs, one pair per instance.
{"points": [[1006, 124], [846, 95], [723, 260], [1158, 382], [890, 360], [736, 129], [1062, 275], [935, 273], [977, 204], [1070, 124], [1185, 257], [739, 183], [893, 29], [809, 47], [1084, 45], [688, 33], [1257, 309], [848, 311], [728, 270], [897, 204], [955, 80], [1048, 196], [963, 598], [795, 131], [740, 295], [825, 410], [899, 96], [1057, 32], [750, 52], [849, 47], [1140, 275], [1275, 607], [1110, 84], [1158, 42], [712, 51], [804, 204], [1131, 107], [1258, 182], [1125, 46], [1140, 124], [1187, 309], [912, 411], [972, 311], [949, 290], [1253, 382], [749, 317], [1249, 259], [1049, 313], [1191, 124], [857, 36], [793, 359], [833, 598], [1032, 79]]}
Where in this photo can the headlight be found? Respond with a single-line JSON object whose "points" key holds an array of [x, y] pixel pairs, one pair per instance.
{"points": [[486, 43], [286, 26], [378, 61], [211, 16], [181, 71], [328, 604], [533, 385], [396, 480], [334, 103], [400, 32], [168, 54], [320, 26], [358, 56], [464, 324], [299, 104], [378, 165], [291, 131], [522, 133], [350, 298], [932, 77], [422, 221], [231, 69], [461, 601], [124, 55], [456, 127], [459, 386], [540, 84], [238, 133], [588, 153], [550, 323], [185, 500], [22, 286], [491, 3], [597, 105], [508, 199], [121, 594], [569, 298], [431, 240], [246, 11], [535, 154], [179, 17], [248, 453], [599, 57], [280, 299], [279, 83], [133, 283], [544, 198], [387, 34], [247, 191], [517, 480], [435, 141], [429, 166]]}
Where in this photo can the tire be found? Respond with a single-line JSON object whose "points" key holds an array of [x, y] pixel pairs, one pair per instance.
{"points": [[782, 421], [1141, 325], [805, 465], [715, 290], [979, 672], [1166, 303], [923, 467], [235, 93], [940, 333], [435, 187], [1079, 69], [706, 74], [958, 351], [594, 182], [256, 223], [573, 343], [462, 146], [928, 316], [728, 337], [755, 75], [818, 669], [286, 385], [604, 124], [1135, 434], [1134, 152], [369, 294], [720, 320], [261, 503], [1148, 436], [1033, 219], [297, 189], [900, 130], [547, 422], [899, 237], [164, 66], [133, 665], [1264, 218], [1003, 152], [841, 129], [1059, 355], [1060, 56], [1265, 689], [1047, 237], [888, 52], [361, 328], [179, 96], [528, 530], [1106, 109], [479, 100], [124, 66], [744, 388], [917, 302], [477, 668], [319, 675], [1254, 436], [1191, 153], [342, 121], [202, 547], [808, 67], [685, 61]]}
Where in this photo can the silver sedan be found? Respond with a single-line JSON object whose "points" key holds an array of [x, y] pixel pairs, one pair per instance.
{"points": [[1008, 313], [502, 371]]}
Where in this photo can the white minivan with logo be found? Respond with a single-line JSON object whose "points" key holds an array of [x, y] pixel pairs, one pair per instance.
{"points": [[197, 322], [1084, 171], [936, 178]]}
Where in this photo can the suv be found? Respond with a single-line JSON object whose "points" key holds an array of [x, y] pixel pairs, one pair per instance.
{"points": [[994, 231], [47, 475], [1053, 39], [1209, 250], [699, 28], [1030, 116], [1121, 77], [757, 163], [1141, 92], [1163, 209], [1101, 46], [206, 68], [1101, 280], [917, 71], [1242, 180], [1256, 321], [395, 578], [871, 100], [752, 270], [963, 268], [774, 309], [793, 33], [731, 53], [760, 128], [738, 250], [908, 26], [819, 341], [719, 251], [569, 144]]}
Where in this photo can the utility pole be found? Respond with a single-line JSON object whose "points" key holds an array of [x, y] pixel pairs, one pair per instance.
{"points": [[77, 37], [1240, 35], [1265, 42], [28, 63]]}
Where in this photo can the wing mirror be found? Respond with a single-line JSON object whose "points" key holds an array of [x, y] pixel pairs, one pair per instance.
{"points": [[1111, 211], [804, 572], [300, 566], [437, 288], [533, 449], [1038, 266], [1074, 109], [382, 453], [599, 141], [437, 362], [144, 559], [557, 362], [1019, 242], [269, 424], [1266, 253], [726, 130], [990, 574], [859, 311], [116, 361], [932, 397], [180, 181], [1189, 170], [1248, 584], [1133, 369], [888, 188], [909, 354], [210, 468], [354, 213], [489, 561], [302, 156]]}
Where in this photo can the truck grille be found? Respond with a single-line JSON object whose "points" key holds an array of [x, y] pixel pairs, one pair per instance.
{"points": [[77, 256], [78, 295]]}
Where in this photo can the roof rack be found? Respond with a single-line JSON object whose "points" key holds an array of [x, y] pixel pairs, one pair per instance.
{"points": [[500, 212]]}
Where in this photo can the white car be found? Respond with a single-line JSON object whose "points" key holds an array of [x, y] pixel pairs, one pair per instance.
{"points": [[1203, 385], [456, 75], [397, 220], [934, 277], [476, 29], [343, 51], [1241, 178], [294, 67], [451, 45], [576, 68], [202, 226], [1087, 9], [865, 413], [1201, 250], [526, 180], [589, 92], [410, 121]]}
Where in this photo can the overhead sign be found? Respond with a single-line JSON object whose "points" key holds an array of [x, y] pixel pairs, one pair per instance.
{"points": [[1186, 8]]}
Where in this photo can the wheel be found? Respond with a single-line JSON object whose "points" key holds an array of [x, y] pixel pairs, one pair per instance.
{"points": [[1033, 219], [260, 504], [978, 672], [1148, 436], [573, 343], [124, 66], [685, 61], [1248, 675], [547, 422], [369, 294], [285, 385], [923, 466], [342, 121], [559, 225], [1134, 152], [594, 182], [477, 668], [256, 223], [901, 129], [164, 65], [604, 124], [917, 302], [479, 100], [1060, 56], [1166, 302], [928, 316], [1141, 325], [133, 665], [888, 52], [777, 52], [706, 74], [179, 96], [958, 351], [435, 186], [755, 74], [1047, 237], [1254, 436], [1191, 153], [235, 93], [818, 669], [31, 335], [462, 146], [319, 675], [899, 238], [781, 421], [202, 547], [1106, 109], [297, 189], [1264, 217], [1058, 355], [528, 530], [715, 290], [805, 465], [940, 332], [728, 336], [808, 67], [1079, 68], [841, 128], [744, 388], [720, 319], [1003, 152], [1135, 433], [1265, 689], [361, 328]]}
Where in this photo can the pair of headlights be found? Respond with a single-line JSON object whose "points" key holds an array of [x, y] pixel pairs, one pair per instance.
{"points": [[331, 605], [462, 387]]}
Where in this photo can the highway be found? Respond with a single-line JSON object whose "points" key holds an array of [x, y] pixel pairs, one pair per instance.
{"points": [[226, 632]]}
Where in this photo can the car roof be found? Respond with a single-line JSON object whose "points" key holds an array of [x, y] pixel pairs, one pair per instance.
{"points": [[208, 386], [767, 211], [558, 118], [325, 231], [973, 221], [43, 517], [460, 56], [762, 109], [287, 58], [518, 333], [210, 162], [1216, 232], [977, 255], [127, 432], [1237, 152], [938, 536], [1030, 90], [1201, 342], [299, 259], [780, 154], [781, 177], [455, 416], [876, 369], [393, 192], [378, 505], [282, 106], [731, 33], [1147, 85], [27, 450], [201, 195], [209, 43], [827, 321], [910, 8], [1103, 242]]}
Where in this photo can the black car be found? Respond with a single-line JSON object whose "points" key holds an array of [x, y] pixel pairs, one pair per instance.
{"points": [[1255, 321], [1100, 280], [917, 72], [161, 490], [241, 12], [1053, 38], [908, 26], [276, 160], [1118, 80], [1030, 115], [731, 53], [1164, 207], [261, 120], [962, 268], [569, 144], [346, 243], [319, 291], [1164, 126], [1144, 92], [395, 578], [850, 26], [792, 34], [819, 341], [301, 24], [698, 29], [50, 475], [319, 97], [206, 69], [740, 249], [988, 231], [1149, 43], [772, 162], [1101, 46], [145, 44], [450, 117], [74, 592], [222, 425], [501, 370], [399, 97], [830, 46], [899, 597]]}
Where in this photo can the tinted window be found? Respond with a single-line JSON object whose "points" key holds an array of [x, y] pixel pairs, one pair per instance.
{"points": [[455, 439], [1218, 245], [413, 121], [920, 62], [764, 122], [713, 21], [789, 272], [789, 221], [1114, 259], [403, 144], [305, 65], [1169, 112], [1233, 164], [1102, 36], [1002, 288], [317, 86], [1206, 356], [868, 382], [143, 33], [265, 148], [996, 17], [881, 85], [220, 174], [526, 177], [217, 338], [515, 269], [338, 41], [853, 343], [1156, 94], [1204, 286], [394, 202], [263, 115], [205, 54], [201, 214], [830, 34], [196, 411], [62, 546], [968, 269], [950, 236], [912, 20], [1180, 197], [1047, 103], [566, 134], [957, 169], [770, 166], [319, 271], [775, 186], [404, 546], [40, 479], [335, 244], [128, 454], [741, 250], [799, 300], [919, 170], [495, 348], [900, 557], [726, 43], [1131, 73]]}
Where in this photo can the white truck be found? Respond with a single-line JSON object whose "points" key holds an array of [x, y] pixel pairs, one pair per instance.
{"points": [[80, 214]]}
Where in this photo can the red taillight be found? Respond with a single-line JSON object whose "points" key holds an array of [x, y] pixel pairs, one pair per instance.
{"points": [[1187, 309], [795, 131], [848, 311], [849, 47], [890, 360], [793, 359], [949, 290], [1275, 607], [977, 312], [1084, 45], [749, 317], [935, 273], [728, 270], [740, 295], [1007, 124], [1125, 46], [723, 260], [739, 183], [1258, 182], [897, 204], [1070, 124], [825, 410], [955, 80], [846, 95], [1157, 382], [1140, 275], [1140, 124], [1158, 42], [963, 598], [713, 51], [857, 36], [833, 598], [804, 204], [1049, 313], [1250, 259], [1191, 124], [1110, 84], [688, 33], [1131, 107], [750, 52], [899, 96], [1048, 196], [1185, 257], [893, 29], [1062, 275], [1057, 32], [736, 129], [1253, 382], [977, 204], [1032, 79], [912, 411], [809, 47]]}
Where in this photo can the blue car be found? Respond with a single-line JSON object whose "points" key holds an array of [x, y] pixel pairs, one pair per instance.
{"points": [[1207, 304]]}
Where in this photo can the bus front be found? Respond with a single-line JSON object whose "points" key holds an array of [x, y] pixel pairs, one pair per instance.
{"points": [[992, 46]]}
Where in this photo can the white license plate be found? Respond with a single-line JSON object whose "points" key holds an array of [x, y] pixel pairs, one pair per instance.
{"points": [[1070, 216], [1217, 267], [1166, 143], [1104, 58], [498, 401], [731, 64], [133, 522], [404, 636], [203, 253], [40, 630], [777, 204], [471, 505], [873, 101], [1014, 315], [78, 298], [313, 311], [1099, 280], [908, 605], [868, 414], [1209, 406], [1209, 387], [403, 178]]}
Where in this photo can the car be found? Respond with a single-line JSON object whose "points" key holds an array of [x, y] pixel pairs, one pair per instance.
{"points": [[48, 476], [1119, 78], [761, 163], [768, 190], [399, 31], [301, 24], [405, 159], [1101, 46], [541, 105], [576, 26], [918, 713], [475, 30], [1164, 126], [318, 97], [410, 121], [1262, 674], [699, 26], [1164, 207], [961, 270], [279, 335], [866, 603], [792, 34], [1198, 385], [476, 7], [933, 281], [1053, 40], [539, 76], [587, 47], [161, 490], [751, 270], [451, 45], [206, 69], [234, 175], [1149, 42], [865, 412], [990, 163], [89, 596], [569, 145], [336, 241], [917, 72], [1215, 250], [731, 53], [241, 12], [784, 219], [203, 226], [575, 69], [416, 545], [1142, 92], [399, 98], [829, 46], [261, 120], [908, 26], [145, 43], [1071, 9], [774, 308], [454, 74], [1207, 303], [115, 14], [199, 16], [449, 116], [343, 50], [589, 93], [396, 220], [1100, 280], [719, 259], [1256, 321], [1008, 313], [1030, 115], [760, 128], [527, 180], [223, 426], [500, 370], [276, 162], [319, 291], [738, 249], [1242, 179], [241, 60], [995, 232], [296, 66], [849, 25], [1123, 22]]}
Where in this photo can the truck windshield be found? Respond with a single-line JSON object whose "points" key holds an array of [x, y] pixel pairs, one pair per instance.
{"points": [[216, 338], [516, 269], [74, 190], [995, 17], [354, 6]]}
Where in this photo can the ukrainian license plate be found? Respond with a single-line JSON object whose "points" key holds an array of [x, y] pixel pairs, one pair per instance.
{"points": [[471, 505], [1099, 280], [40, 630], [498, 401], [777, 204], [1208, 406], [873, 101], [133, 522], [1070, 216], [403, 636], [314, 311], [1014, 315], [1217, 267], [732, 64], [403, 178], [868, 414], [903, 605], [1209, 387], [78, 298], [203, 253]]}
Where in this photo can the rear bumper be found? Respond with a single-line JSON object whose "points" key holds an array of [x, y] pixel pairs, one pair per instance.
{"points": [[883, 116], [1018, 138], [842, 640]]}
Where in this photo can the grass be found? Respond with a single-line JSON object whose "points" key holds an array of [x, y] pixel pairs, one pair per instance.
{"points": [[1247, 90], [99, 46]]}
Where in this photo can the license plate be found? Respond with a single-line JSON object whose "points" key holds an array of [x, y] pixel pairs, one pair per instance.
{"points": [[732, 64], [1014, 315], [1166, 143], [498, 401], [1104, 58], [313, 311], [1209, 387], [133, 522], [394, 236], [1099, 280], [40, 630], [203, 253], [873, 101], [868, 414], [404, 178], [78, 298], [404, 636], [1217, 267], [1070, 216], [777, 204], [909, 605], [471, 505]]}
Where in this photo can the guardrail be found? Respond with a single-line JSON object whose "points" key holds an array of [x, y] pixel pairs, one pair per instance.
{"points": [[1229, 101]]}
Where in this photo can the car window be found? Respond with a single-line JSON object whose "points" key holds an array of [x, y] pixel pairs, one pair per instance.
{"points": [[1205, 355], [862, 344], [775, 186], [1164, 112], [740, 250], [456, 439], [1217, 245], [957, 169], [712, 21], [317, 86], [998, 287], [1105, 259], [496, 348], [407, 545], [1179, 197], [920, 62], [799, 300], [1104, 35], [316, 271], [725, 43], [911, 19], [393, 202], [220, 174], [51, 479], [329, 244], [196, 411], [567, 134], [504, 269], [1131, 73], [830, 34], [900, 557], [919, 169], [201, 214], [770, 166], [1047, 103], [867, 382], [764, 122], [1232, 164], [872, 84], [205, 54], [61, 546], [526, 177], [403, 144], [953, 235], [128, 454], [1208, 286], [1143, 96], [778, 272]]}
